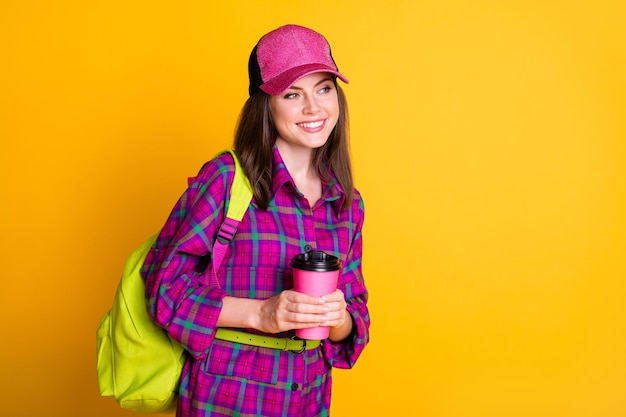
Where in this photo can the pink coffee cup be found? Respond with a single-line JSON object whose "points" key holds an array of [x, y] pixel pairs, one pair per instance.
{"points": [[315, 273]]}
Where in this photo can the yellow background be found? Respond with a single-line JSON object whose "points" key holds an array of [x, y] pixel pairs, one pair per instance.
{"points": [[488, 140]]}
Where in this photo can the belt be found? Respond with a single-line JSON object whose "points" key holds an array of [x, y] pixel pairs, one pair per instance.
{"points": [[283, 343]]}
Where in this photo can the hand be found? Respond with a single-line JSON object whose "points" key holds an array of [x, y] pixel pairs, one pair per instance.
{"points": [[336, 314], [288, 310], [293, 310], [338, 318]]}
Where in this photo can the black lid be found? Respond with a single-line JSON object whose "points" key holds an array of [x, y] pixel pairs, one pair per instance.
{"points": [[316, 260]]}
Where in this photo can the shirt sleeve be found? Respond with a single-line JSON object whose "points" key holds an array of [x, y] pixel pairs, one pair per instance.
{"points": [[179, 297], [345, 353]]}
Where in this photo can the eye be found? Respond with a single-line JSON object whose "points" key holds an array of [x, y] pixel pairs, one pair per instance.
{"points": [[290, 96], [326, 89]]}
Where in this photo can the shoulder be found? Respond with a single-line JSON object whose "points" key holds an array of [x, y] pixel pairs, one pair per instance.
{"points": [[220, 165], [357, 201], [356, 210], [219, 169], [212, 181]]}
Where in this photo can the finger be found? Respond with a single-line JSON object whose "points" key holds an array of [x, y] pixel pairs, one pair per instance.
{"points": [[335, 304], [336, 295], [338, 319], [299, 297], [308, 309]]}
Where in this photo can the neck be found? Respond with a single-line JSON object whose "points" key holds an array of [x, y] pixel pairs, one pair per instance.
{"points": [[298, 163], [298, 160]]}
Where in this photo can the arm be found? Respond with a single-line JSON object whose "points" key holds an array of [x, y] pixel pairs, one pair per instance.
{"points": [[350, 334], [287, 311], [179, 298]]}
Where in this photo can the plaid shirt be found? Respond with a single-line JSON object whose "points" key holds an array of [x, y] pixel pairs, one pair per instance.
{"points": [[224, 378]]}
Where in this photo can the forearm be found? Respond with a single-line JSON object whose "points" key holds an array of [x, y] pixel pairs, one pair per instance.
{"points": [[240, 313]]}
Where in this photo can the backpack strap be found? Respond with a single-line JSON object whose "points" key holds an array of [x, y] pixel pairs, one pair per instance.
{"points": [[240, 197]]}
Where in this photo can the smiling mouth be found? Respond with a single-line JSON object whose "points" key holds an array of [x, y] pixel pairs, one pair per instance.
{"points": [[312, 125]]}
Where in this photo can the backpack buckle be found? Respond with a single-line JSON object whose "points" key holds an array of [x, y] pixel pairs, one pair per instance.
{"points": [[227, 231]]}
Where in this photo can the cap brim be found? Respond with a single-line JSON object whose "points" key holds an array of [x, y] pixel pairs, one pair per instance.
{"points": [[282, 82]]}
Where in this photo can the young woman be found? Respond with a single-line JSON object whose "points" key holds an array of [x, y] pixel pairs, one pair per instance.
{"points": [[292, 143]]}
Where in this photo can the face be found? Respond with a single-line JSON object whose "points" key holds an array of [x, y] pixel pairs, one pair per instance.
{"points": [[306, 113]]}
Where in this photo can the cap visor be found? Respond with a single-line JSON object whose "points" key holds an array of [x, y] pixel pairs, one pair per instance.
{"points": [[282, 82]]}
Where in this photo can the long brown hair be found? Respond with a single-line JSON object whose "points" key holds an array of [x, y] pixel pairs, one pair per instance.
{"points": [[254, 138]]}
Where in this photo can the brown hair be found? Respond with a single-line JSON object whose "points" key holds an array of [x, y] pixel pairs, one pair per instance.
{"points": [[255, 135]]}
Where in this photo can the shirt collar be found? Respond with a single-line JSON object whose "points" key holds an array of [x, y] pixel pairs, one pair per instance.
{"points": [[332, 191]]}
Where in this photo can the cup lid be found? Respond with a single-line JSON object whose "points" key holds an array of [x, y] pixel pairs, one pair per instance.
{"points": [[316, 260]]}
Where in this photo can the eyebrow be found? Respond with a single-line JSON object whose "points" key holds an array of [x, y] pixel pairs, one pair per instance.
{"points": [[323, 80]]}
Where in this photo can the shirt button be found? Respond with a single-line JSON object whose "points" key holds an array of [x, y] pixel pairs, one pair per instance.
{"points": [[308, 248], [294, 387]]}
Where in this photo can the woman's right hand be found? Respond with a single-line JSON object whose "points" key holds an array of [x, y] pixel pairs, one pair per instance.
{"points": [[291, 310]]}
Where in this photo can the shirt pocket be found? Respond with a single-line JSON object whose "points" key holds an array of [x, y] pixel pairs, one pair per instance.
{"points": [[243, 361]]}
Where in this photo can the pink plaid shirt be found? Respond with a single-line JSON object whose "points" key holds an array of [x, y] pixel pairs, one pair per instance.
{"points": [[224, 378]]}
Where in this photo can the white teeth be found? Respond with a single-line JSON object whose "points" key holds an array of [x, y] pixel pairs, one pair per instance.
{"points": [[311, 125]]}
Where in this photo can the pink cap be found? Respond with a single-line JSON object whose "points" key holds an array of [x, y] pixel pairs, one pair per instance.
{"points": [[287, 54]]}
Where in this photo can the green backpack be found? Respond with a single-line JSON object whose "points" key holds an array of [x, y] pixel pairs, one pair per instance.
{"points": [[137, 362]]}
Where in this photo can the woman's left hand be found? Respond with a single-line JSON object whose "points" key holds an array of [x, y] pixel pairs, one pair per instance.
{"points": [[337, 316]]}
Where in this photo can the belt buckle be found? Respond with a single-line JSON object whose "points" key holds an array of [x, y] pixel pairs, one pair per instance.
{"points": [[297, 352]]}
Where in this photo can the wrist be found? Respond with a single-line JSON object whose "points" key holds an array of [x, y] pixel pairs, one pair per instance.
{"points": [[255, 314]]}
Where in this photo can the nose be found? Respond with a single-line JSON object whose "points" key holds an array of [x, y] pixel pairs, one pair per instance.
{"points": [[311, 105]]}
